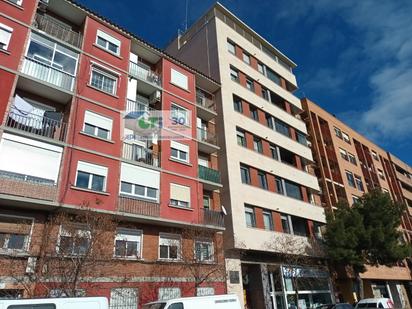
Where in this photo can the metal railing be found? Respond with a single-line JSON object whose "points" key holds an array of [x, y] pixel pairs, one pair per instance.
{"points": [[38, 125], [48, 74], [205, 136], [137, 153], [52, 27], [205, 102], [143, 72], [211, 217], [136, 106], [138, 207], [208, 174]]}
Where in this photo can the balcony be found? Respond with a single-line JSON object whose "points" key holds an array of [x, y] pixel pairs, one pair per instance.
{"points": [[207, 141], [136, 106], [206, 107], [213, 218], [137, 153], [57, 30], [48, 74], [138, 207], [27, 186], [143, 72], [38, 125], [209, 174]]}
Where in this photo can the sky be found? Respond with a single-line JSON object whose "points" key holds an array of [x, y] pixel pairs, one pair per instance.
{"points": [[354, 57]]}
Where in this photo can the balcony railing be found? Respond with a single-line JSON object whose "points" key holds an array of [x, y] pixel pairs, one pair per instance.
{"points": [[136, 106], [138, 207], [27, 186], [211, 217], [205, 136], [209, 174], [48, 74], [38, 125], [138, 153], [56, 29], [205, 102], [143, 72]]}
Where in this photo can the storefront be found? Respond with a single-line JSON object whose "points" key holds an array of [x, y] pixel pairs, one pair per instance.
{"points": [[276, 285]]}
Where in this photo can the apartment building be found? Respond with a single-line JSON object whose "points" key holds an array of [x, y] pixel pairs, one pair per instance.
{"points": [[348, 165], [269, 189], [68, 78]]}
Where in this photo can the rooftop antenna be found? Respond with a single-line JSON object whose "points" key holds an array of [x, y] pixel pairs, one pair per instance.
{"points": [[187, 12]]}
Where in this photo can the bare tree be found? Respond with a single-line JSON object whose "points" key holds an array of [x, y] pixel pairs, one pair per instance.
{"points": [[301, 257]]}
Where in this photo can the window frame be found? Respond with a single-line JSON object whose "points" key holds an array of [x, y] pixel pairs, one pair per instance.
{"points": [[263, 181], [250, 84], [350, 179], [179, 152], [27, 240], [247, 174], [177, 74], [136, 195], [251, 211], [170, 237], [359, 183], [241, 136], [209, 243], [229, 45], [108, 39], [79, 229], [91, 177], [129, 232], [8, 34], [106, 74], [237, 104], [180, 110], [246, 58], [234, 74], [268, 214], [96, 127]]}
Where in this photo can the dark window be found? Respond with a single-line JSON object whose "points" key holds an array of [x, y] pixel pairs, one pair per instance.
{"points": [[293, 190], [245, 174], [274, 152], [351, 180], [279, 185], [268, 220], [254, 113], [257, 144], [282, 127], [273, 76], [285, 224], [262, 180], [250, 217], [300, 226], [250, 85], [237, 104], [176, 306], [241, 139], [301, 138]]}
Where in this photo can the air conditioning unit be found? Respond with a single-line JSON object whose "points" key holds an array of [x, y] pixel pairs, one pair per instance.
{"points": [[155, 97], [31, 265]]}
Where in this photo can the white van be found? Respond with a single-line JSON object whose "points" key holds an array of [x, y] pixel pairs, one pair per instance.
{"points": [[56, 303], [200, 302], [375, 303]]}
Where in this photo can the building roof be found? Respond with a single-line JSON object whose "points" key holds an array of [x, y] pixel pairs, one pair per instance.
{"points": [[136, 37]]}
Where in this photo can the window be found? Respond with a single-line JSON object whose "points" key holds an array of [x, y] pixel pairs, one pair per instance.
{"points": [[169, 246], [14, 233], [345, 137], [5, 36], [282, 127], [237, 104], [179, 79], [103, 80], [231, 47], [265, 93], [204, 251], [352, 158], [97, 125], [234, 74], [268, 220], [241, 139], [250, 217], [375, 155], [351, 180], [343, 154], [338, 132], [381, 175], [179, 195], [257, 144], [245, 174], [263, 183], [359, 183], [52, 55], [286, 224], [18, 2], [250, 85], [317, 229], [301, 138], [205, 291], [179, 151], [254, 113], [169, 293], [261, 68], [108, 42], [91, 176], [279, 185], [139, 182], [246, 58], [355, 199], [138, 190], [273, 76], [123, 298], [206, 202], [274, 152], [128, 243], [293, 190], [74, 240], [180, 114]]}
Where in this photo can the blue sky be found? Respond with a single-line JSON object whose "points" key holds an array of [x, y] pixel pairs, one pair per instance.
{"points": [[354, 57]]}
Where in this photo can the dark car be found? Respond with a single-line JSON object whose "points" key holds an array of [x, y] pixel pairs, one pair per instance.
{"points": [[336, 306]]}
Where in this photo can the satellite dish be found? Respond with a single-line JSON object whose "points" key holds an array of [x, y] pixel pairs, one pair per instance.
{"points": [[224, 210]]}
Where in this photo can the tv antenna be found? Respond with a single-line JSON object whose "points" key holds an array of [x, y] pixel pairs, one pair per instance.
{"points": [[187, 14]]}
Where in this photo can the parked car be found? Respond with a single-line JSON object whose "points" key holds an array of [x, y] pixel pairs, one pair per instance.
{"points": [[375, 303], [56, 303], [336, 306], [200, 302]]}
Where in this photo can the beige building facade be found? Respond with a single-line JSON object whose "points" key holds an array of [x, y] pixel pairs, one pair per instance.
{"points": [[270, 191]]}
